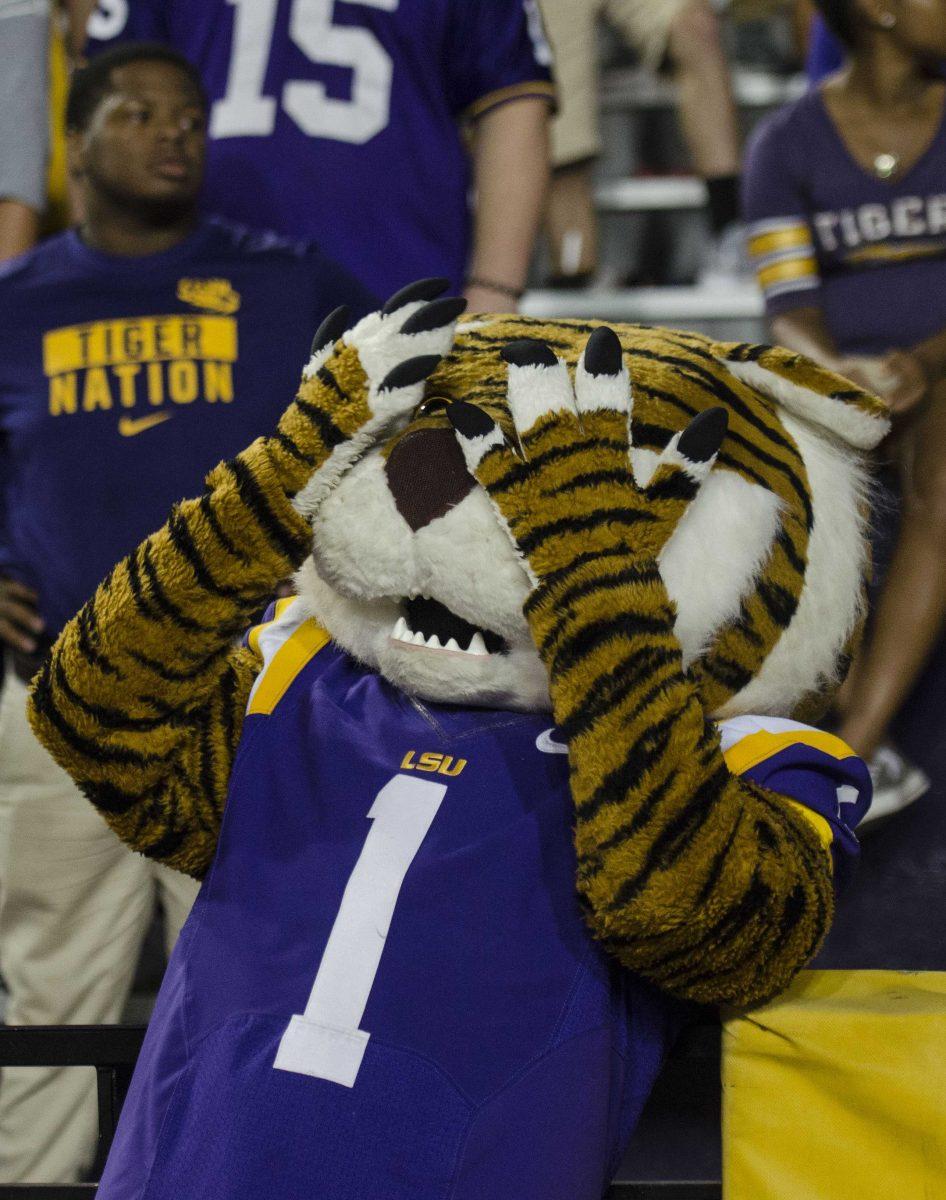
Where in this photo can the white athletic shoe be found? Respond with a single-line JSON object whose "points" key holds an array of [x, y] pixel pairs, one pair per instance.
{"points": [[897, 783]]}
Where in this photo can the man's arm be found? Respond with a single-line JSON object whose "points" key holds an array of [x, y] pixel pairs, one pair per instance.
{"points": [[24, 122], [511, 172]]}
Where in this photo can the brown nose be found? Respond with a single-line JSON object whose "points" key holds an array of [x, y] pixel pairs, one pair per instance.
{"points": [[427, 475]]}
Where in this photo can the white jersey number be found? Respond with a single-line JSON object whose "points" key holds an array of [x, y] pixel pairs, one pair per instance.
{"points": [[325, 1041], [246, 112]]}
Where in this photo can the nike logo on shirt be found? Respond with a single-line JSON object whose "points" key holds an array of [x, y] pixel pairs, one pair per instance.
{"points": [[547, 744], [130, 426]]}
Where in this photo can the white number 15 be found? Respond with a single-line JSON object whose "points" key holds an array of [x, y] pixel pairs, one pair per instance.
{"points": [[246, 112]]}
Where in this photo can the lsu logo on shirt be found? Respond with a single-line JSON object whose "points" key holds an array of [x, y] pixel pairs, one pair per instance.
{"points": [[138, 365], [441, 764], [216, 295]]}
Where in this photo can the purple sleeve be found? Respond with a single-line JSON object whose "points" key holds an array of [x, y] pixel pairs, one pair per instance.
{"points": [[838, 789], [6, 555], [776, 212], [496, 51], [825, 52], [114, 21]]}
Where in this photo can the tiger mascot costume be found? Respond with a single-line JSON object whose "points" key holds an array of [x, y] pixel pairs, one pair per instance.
{"points": [[514, 775]]}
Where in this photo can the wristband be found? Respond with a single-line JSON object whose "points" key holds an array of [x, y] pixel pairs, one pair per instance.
{"points": [[503, 288]]}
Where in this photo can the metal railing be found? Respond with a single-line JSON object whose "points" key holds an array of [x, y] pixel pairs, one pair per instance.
{"points": [[113, 1049]]}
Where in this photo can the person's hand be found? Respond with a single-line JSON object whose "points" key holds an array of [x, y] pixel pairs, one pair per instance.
{"points": [[868, 371], [909, 384], [561, 516], [20, 623]]}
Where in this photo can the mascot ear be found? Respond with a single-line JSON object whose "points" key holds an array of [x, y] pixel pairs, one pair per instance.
{"points": [[808, 391]]}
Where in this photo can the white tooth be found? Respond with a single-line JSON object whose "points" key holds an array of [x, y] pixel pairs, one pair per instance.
{"points": [[477, 645], [452, 644], [433, 642], [400, 628], [419, 640]]}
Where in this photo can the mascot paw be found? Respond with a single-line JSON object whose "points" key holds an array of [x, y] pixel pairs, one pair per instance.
{"points": [[360, 384], [569, 496]]}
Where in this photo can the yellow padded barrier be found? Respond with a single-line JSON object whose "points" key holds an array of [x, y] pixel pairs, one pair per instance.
{"points": [[837, 1090]]}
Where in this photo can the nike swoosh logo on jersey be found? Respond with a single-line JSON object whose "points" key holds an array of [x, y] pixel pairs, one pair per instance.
{"points": [[547, 744], [130, 426]]}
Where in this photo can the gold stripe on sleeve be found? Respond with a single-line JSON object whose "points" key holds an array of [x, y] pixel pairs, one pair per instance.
{"points": [[516, 91], [254, 634], [288, 661], [790, 269], [789, 238], [757, 747]]}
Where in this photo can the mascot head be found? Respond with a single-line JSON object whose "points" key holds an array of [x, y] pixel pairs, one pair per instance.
{"points": [[412, 574]]}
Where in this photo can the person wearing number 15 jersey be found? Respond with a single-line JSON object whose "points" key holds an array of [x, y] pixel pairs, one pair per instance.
{"points": [[342, 122]]}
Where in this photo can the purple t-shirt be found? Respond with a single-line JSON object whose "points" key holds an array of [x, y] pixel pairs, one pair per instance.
{"points": [[825, 232]]}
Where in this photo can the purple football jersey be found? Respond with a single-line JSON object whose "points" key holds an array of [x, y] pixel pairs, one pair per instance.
{"points": [[386, 987], [340, 121]]}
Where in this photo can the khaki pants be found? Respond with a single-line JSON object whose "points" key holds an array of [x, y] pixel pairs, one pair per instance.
{"points": [[75, 905], [572, 30]]}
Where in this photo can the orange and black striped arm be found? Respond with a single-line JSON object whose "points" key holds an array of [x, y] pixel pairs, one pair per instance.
{"points": [[143, 697], [710, 886]]}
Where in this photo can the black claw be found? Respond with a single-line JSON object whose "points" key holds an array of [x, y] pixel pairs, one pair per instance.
{"points": [[331, 328], [469, 420], [704, 435], [604, 354], [411, 371], [434, 315], [529, 352], [422, 289]]}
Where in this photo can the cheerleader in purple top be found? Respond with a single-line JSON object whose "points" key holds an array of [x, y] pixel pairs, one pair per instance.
{"points": [[845, 195]]}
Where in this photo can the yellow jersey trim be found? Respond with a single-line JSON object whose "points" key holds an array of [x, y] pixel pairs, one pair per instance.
{"points": [[254, 635], [295, 653], [895, 253], [793, 236], [821, 826], [792, 268], [757, 747], [749, 751], [516, 91]]}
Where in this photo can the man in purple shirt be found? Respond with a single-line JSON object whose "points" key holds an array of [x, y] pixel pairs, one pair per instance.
{"points": [[132, 352]]}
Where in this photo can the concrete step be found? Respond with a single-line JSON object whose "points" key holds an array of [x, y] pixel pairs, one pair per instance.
{"points": [[657, 193], [637, 88], [650, 306]]}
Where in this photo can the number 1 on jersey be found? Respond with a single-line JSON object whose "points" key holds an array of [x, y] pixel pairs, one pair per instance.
{"points": [[325, 1041]]}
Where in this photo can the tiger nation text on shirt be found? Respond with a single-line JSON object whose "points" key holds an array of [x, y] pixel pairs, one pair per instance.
{"points": [[123, 380]]}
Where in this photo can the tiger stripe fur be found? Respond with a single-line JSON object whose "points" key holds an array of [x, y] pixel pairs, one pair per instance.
{"points": [[680, 862], [705, 883]]}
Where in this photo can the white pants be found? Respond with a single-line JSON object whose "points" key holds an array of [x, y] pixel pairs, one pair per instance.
{"points": [[75, 905]]}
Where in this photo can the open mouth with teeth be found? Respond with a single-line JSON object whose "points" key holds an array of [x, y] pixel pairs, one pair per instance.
{"points": [[430, 624]]}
